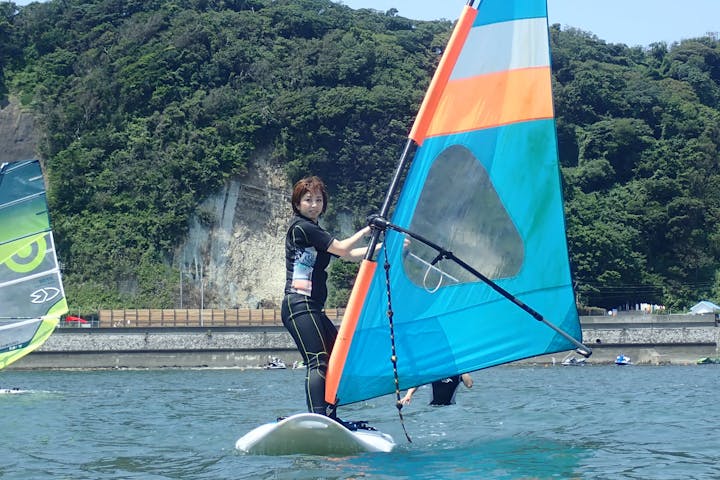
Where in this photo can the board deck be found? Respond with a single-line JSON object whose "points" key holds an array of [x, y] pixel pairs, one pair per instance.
{"points": [[312, 434]]}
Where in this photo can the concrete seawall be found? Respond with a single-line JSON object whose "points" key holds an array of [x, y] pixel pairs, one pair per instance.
{"points": [[647, 339], [219, 347]]}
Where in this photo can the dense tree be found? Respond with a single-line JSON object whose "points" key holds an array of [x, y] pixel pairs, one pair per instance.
{"points": [[149, 106], [639, 145], [8, 45]]}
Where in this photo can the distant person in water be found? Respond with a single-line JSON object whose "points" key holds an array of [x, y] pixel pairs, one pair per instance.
{"points": [[443, 390], [308, 249]]}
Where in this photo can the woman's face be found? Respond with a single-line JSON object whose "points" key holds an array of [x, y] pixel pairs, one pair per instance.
{"points": [[311, 205]]}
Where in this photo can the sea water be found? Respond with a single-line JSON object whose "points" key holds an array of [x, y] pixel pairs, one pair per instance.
{"points": [[517, 422]]}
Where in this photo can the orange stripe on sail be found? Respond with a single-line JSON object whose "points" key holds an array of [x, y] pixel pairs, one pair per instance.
{"points": [[491, 100], [347, 329], [442, 75]]}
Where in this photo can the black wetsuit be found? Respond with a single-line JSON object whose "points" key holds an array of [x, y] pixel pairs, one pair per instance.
{"points": [[306, 258], [444, 391]]}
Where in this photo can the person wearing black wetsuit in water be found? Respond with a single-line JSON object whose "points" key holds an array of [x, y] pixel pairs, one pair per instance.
{"points": [[443, 390]]}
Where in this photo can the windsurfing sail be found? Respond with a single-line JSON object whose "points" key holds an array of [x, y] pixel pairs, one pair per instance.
{"points": [[32, 297], [485, 279]]}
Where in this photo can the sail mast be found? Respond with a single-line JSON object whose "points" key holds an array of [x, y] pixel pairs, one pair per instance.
{"points": [[385, 209]]}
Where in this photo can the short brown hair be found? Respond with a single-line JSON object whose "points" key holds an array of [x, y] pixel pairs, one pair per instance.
{"points": [[308, 184]]}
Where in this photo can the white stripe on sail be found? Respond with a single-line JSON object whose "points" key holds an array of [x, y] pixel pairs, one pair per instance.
{"points": [[498, 47]]}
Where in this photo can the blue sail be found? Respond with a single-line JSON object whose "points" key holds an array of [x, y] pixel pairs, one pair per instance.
{"points": [[484, 184]]}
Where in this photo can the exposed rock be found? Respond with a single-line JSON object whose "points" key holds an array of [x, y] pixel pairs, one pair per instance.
{"points": [[18, 138], [237, 242]]}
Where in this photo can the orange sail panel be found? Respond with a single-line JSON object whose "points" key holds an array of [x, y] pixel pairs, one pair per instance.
{"points": [[347, 328], [472, 89], [520, 95]]}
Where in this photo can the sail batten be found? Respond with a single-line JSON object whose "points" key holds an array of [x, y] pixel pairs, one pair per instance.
{"points": [[491, 285]]}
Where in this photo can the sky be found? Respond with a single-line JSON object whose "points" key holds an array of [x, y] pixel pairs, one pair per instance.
{"points": [[632, 22]]}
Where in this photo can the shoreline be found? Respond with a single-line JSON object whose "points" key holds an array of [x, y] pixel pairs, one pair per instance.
{"points": [[647, 340], [640, 356]]}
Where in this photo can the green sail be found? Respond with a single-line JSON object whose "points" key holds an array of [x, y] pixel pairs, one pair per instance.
{"points": [[32, 297]]}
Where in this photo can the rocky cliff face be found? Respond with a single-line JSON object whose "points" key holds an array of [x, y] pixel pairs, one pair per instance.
{"points": [[18, 137], [236, 242]]}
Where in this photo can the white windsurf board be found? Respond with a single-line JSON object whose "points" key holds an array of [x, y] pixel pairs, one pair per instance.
{"points": [[312, 434], [12, 391]]}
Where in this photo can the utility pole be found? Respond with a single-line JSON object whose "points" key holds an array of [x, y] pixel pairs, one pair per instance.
{"points": [[181, 286]]}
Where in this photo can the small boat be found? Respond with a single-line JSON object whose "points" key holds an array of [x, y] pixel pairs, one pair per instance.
{"points": [[622, 360], [709, 361], [10, 391], [275, 364], [572, 361]]}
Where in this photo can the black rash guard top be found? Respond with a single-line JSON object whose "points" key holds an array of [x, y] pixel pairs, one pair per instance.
{"points": [[444, 391], [306, 258]]}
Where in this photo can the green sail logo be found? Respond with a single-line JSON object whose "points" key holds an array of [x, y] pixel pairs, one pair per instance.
{"points": [[29, 257]]}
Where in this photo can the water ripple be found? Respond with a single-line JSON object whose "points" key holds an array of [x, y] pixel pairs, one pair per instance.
{"points": [[594, 422]]}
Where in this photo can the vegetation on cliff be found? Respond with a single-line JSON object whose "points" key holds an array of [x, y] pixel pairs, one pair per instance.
{"points": [[148, 106]]}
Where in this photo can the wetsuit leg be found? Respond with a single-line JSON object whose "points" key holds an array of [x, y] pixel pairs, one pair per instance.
{"points": [[314, 334]]}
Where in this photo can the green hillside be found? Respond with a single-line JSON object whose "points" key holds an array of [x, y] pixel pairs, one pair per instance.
{"points": [[149, 106]]}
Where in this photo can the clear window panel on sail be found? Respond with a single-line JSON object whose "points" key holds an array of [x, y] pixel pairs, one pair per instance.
{"points": [[460, 210]]}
